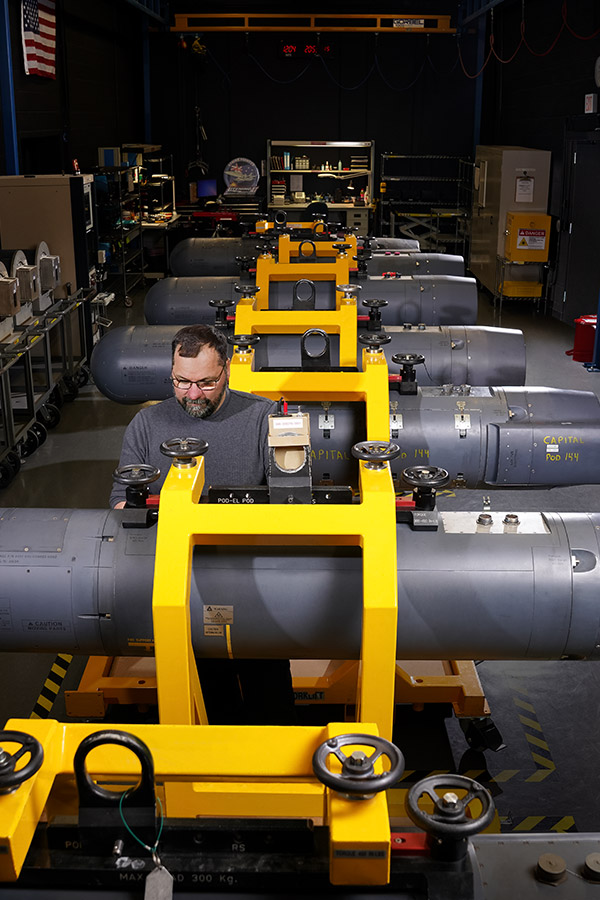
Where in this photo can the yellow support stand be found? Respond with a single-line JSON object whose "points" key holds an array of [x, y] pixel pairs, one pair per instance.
{"points": [[268, 269], [260, 772]]}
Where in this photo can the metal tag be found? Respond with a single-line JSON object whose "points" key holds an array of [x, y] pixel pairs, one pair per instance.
{"points": [[159, 885], [396, 424], [462, 421]]}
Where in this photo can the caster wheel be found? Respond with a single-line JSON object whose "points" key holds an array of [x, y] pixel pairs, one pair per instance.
{"points": [[48, 415], [40, 431], [14, 461], [56, 398], [29, 444], [7, 473], [82, 377], [69, 388]]}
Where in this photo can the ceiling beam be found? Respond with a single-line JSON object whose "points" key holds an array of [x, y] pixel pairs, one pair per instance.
{"points": [[288, 22]]}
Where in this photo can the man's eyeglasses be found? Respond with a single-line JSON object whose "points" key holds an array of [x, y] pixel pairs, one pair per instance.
{"points": [[208, 384]]}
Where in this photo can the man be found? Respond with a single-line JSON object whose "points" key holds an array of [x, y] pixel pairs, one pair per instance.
{"points": [[235, 425]]}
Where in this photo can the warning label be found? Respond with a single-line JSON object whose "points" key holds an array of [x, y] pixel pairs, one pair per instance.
{"points": [[5, 619], [44, 625], [532, 238], [214, 630], [218, 615]]}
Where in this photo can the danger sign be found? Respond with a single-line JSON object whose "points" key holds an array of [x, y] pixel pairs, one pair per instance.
{"points": [[532, 238]]}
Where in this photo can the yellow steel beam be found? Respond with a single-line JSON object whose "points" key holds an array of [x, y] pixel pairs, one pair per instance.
{"points": [[179, 694], [342, 321], [390, 23], [289, 248], [268, 269], [263, 225], [221, 771]]}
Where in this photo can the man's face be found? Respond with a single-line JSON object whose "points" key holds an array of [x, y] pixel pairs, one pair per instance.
{"points": [[200, 402]]}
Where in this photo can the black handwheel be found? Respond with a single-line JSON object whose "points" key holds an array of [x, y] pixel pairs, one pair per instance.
{"points": [[374, 340], [246, 290], [244, 262], [408, 359], [41, 432], [48, 415], [183, 448], [358, 774], [449, 817], [341, 247], [375, 303], [221, 304], [136, 473], [376, 451], [9, 777], [348, 290], [245, 341], [425, 477]]}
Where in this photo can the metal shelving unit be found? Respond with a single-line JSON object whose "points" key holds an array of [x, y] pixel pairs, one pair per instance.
{"points": [[119, 211], [426, 197], [326, 170]]}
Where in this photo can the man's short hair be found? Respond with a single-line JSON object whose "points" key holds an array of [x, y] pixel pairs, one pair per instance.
{"points": [[192, 339]]}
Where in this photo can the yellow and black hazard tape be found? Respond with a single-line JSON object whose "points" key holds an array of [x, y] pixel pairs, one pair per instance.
{"points": [[538, 746], [544, 824], [52, 685]]}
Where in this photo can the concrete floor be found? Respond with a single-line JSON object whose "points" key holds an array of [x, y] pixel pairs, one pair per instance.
{"points": [[73, 469]]}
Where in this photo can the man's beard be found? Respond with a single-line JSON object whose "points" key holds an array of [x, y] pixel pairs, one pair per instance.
{"points": [[203, 407]]}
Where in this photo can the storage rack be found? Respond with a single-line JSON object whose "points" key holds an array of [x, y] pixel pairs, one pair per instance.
{"points": [[426, 197], [158, 213], [119, 208], [311, 159], [42, 362]]}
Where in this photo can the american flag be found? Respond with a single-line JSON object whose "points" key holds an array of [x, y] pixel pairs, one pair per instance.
{"points": [[38, 26]]}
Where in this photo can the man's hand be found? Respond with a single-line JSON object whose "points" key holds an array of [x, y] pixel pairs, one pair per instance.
{"points": [[120, 504]]}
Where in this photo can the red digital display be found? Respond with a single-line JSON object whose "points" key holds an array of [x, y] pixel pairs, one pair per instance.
{"points": [[294, 49]]}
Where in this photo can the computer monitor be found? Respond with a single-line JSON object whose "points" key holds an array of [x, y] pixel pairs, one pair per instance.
{"points": [[207, 187]]}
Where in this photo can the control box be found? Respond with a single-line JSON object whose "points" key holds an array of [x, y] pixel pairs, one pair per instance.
{"points": [[527, 237]]}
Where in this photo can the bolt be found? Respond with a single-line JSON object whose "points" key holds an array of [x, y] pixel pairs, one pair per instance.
{"points": [[450, 800], [358, 757]]}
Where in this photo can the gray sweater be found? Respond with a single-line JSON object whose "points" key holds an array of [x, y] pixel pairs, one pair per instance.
{"points": [[236, 434]]}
